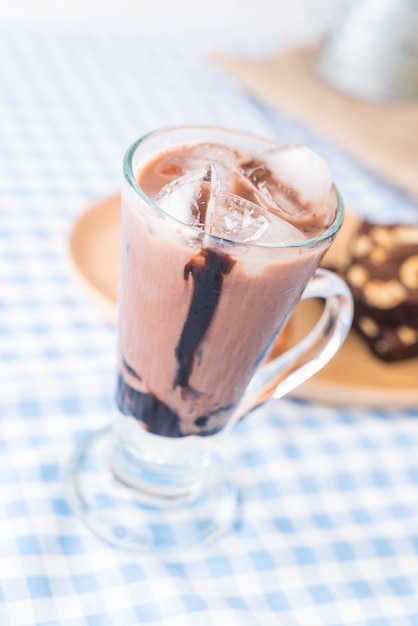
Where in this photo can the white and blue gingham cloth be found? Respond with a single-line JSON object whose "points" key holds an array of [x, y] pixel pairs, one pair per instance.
{"points": [[328, 528]]}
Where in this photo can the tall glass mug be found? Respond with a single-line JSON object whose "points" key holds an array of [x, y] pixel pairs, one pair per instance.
{"points": [[222, 234]]}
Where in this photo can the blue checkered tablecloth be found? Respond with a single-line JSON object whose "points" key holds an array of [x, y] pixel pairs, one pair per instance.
{"points": [[328, 528]]}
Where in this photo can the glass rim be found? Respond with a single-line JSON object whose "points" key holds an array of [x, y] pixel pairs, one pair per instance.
{"points": [[330, 232]]}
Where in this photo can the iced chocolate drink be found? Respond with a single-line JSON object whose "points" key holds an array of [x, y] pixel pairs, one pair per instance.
{"points": [[222, 234], [212, 266]]}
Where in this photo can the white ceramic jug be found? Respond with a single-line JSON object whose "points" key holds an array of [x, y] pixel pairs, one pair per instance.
{"points": [[371, 51]]}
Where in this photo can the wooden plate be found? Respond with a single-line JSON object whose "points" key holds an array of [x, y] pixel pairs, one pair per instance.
{"points": [[353, 376]]}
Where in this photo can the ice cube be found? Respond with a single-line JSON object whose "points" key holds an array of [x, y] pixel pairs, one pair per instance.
{"points": [[292, 180], [191, 159], [302, 169], [190, 197], [240, 220]]}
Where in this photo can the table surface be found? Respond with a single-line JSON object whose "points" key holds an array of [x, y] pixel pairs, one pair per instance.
{"points": [[328, 527]]}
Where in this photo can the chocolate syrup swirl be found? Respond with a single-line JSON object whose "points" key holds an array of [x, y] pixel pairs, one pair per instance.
{"points": [[157, 416], [207, 270], [131, 370]]}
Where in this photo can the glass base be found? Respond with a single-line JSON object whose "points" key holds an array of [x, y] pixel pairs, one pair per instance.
{"points": [[128, 519]]}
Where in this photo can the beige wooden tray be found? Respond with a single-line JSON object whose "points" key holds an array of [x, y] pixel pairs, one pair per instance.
{"points": [[353, 377]]}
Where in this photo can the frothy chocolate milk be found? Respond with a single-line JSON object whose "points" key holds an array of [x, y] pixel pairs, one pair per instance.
{"points": [[200, 307]]}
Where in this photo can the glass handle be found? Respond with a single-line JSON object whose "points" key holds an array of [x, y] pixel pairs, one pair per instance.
{"points": [[278, 377]]}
